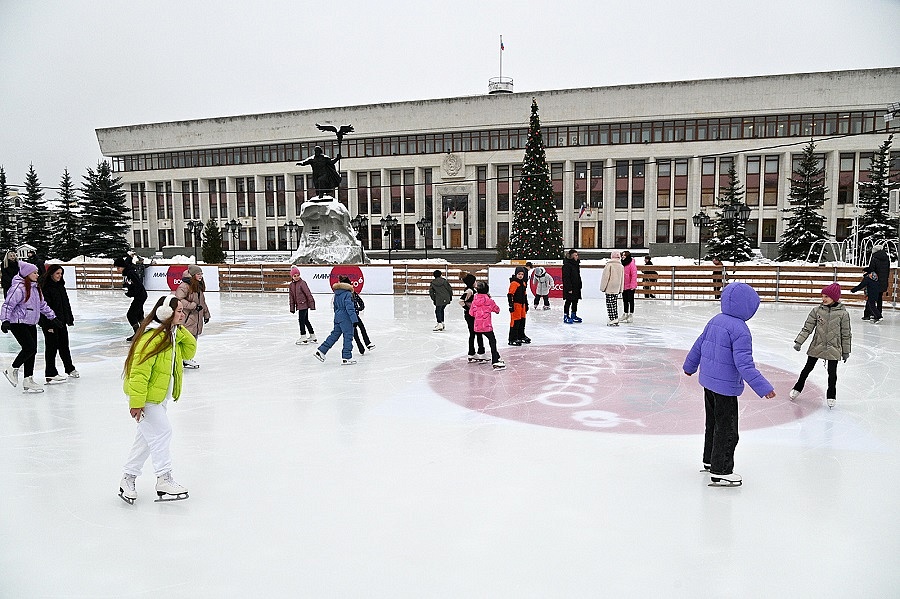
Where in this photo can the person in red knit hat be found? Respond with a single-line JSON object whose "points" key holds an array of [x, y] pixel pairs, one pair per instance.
{"points": [[829, 324]]}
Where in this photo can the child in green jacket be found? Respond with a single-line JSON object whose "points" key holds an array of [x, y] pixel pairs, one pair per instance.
{"points": [[153, 374]]}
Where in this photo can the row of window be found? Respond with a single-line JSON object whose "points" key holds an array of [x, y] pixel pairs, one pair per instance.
{"points": [[743, 127]]}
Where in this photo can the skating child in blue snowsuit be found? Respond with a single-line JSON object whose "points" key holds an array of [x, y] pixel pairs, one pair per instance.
{"points": [[344, 319]]}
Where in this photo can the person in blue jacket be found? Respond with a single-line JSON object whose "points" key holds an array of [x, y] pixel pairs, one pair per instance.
{"points": [[344, 320], [724, 355]]}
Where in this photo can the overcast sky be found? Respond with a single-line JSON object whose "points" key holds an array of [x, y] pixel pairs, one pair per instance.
{"points": [[70, 66]]}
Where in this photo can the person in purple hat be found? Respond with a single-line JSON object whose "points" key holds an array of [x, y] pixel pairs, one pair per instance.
{"points": [[829, 324], [20, 313]]}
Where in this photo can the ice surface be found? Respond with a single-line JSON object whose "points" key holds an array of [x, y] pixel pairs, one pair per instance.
{"points": [[573, 473]]}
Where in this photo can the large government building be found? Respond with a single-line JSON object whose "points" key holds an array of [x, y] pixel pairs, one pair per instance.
{"points": [[630, 164]]}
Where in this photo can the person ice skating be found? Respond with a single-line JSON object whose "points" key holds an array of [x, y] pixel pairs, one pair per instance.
{"points": [[10, 270], [192, 294], [441, 294], [56, 331], [482, 308], [829, 324], [718, 275], [629, 284], [872, 288], [37, 260], [359, 328], [153, 374], [301, 301], [133, 283], [880, 264], [19, 314], [612, 281], [543, 283], [649, 278], [344, 319], [724, 354], [517, 297], [571, 279], [465, 300]]}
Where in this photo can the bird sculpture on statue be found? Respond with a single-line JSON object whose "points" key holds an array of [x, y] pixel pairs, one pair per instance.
{"points": [[340, 133]]}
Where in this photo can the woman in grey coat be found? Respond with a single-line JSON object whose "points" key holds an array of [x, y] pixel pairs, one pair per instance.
{"points": [[543, 282], [829, 324]]}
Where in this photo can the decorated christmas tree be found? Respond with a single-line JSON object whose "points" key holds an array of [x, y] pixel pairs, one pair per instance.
{"points": [[535, 233], [805, 224]]}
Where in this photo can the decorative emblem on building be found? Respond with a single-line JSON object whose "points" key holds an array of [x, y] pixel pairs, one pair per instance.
{"points": [[454, 166]]}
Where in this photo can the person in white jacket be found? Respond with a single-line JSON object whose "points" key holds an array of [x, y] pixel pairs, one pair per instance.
{"points": [[612, 282]]}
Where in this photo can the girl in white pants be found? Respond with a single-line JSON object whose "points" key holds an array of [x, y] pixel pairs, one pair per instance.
{"points": [[153, 374]]}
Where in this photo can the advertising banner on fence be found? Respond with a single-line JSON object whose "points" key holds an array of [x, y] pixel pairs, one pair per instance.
{"points": [[167, 277], [498, 279], [371, 280]]}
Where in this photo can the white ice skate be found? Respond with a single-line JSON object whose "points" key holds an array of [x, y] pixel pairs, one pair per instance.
{"points": [[546, 307], [29, 385], [724, 480], [55, 380], [794, 394], [613, 323], [168, 490], [346, 362], [12, 375], [479, 359], [319, 356], [190, 364], [312, 339], [127, 490], [302, 340], [628, 318], [370, 347], [831, 401], [499, 365], [73, 374], [438, 327], [706, 467]]}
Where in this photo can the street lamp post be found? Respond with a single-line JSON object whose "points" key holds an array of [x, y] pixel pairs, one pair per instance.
{"points": [[424, 224], [359, 223], [293, 229], [387, 224], [234, 228], [701, 219], [195, 227]]}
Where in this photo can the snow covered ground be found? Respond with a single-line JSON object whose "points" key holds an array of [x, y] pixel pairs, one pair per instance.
{"points": [[573, 473]]}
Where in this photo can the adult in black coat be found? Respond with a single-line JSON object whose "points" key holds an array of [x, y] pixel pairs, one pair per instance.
{"points": [[880, 264], [571, 279], [10, 270], [56, 331], [37, 260]]}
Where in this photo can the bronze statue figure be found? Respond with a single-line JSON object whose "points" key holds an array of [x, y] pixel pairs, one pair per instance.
{"points": [[325, 177]]}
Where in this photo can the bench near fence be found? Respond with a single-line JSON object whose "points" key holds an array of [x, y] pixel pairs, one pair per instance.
{"points": [[681, 282]]}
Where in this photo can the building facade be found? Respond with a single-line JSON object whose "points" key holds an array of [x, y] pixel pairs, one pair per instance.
{"points": [[630, 165]]}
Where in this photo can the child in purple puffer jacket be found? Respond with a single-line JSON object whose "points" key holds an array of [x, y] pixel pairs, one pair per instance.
{"points": [[482, 308], [20, 314], [724, 354]]}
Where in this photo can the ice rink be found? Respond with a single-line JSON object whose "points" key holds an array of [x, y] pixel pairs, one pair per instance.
{"points": [[573, 473]]}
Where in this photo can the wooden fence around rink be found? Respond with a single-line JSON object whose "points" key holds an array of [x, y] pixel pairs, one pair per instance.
{"points": [[773, 282]]}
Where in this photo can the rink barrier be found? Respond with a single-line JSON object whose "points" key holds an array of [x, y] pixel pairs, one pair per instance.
{"points": [[773, 282]]}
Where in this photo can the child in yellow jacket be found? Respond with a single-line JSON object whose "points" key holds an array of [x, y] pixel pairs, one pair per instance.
{"points": [[153, 373]]}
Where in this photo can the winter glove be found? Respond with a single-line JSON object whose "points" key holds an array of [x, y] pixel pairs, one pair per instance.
{"points": [[511, 309], [844, 357], [5, 326], [199, 308], [797, 347], [205, 320]]}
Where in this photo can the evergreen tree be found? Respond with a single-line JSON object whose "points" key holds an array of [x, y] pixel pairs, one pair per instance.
{"points": [[67, 227], [875, 222], [34, 214], [8, 237], [806, 224], [729, 240], [105, 213], [535, 232], [212, 244]]}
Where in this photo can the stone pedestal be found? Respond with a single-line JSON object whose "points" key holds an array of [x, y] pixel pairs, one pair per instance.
{"points": [[328, 237]]}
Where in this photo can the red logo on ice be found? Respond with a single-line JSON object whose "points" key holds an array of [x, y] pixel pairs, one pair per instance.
{"points": [[556, 288], [354, 273], [607, 388]]}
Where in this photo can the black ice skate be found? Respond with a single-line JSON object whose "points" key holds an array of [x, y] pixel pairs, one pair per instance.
{"points": [[725, 480]]}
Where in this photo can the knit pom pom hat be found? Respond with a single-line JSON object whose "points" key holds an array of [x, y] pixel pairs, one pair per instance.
{"points": [[295, 271], [833, 291]]}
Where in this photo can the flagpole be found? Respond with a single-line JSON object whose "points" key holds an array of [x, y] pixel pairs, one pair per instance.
{"points": [[501, 59]]}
